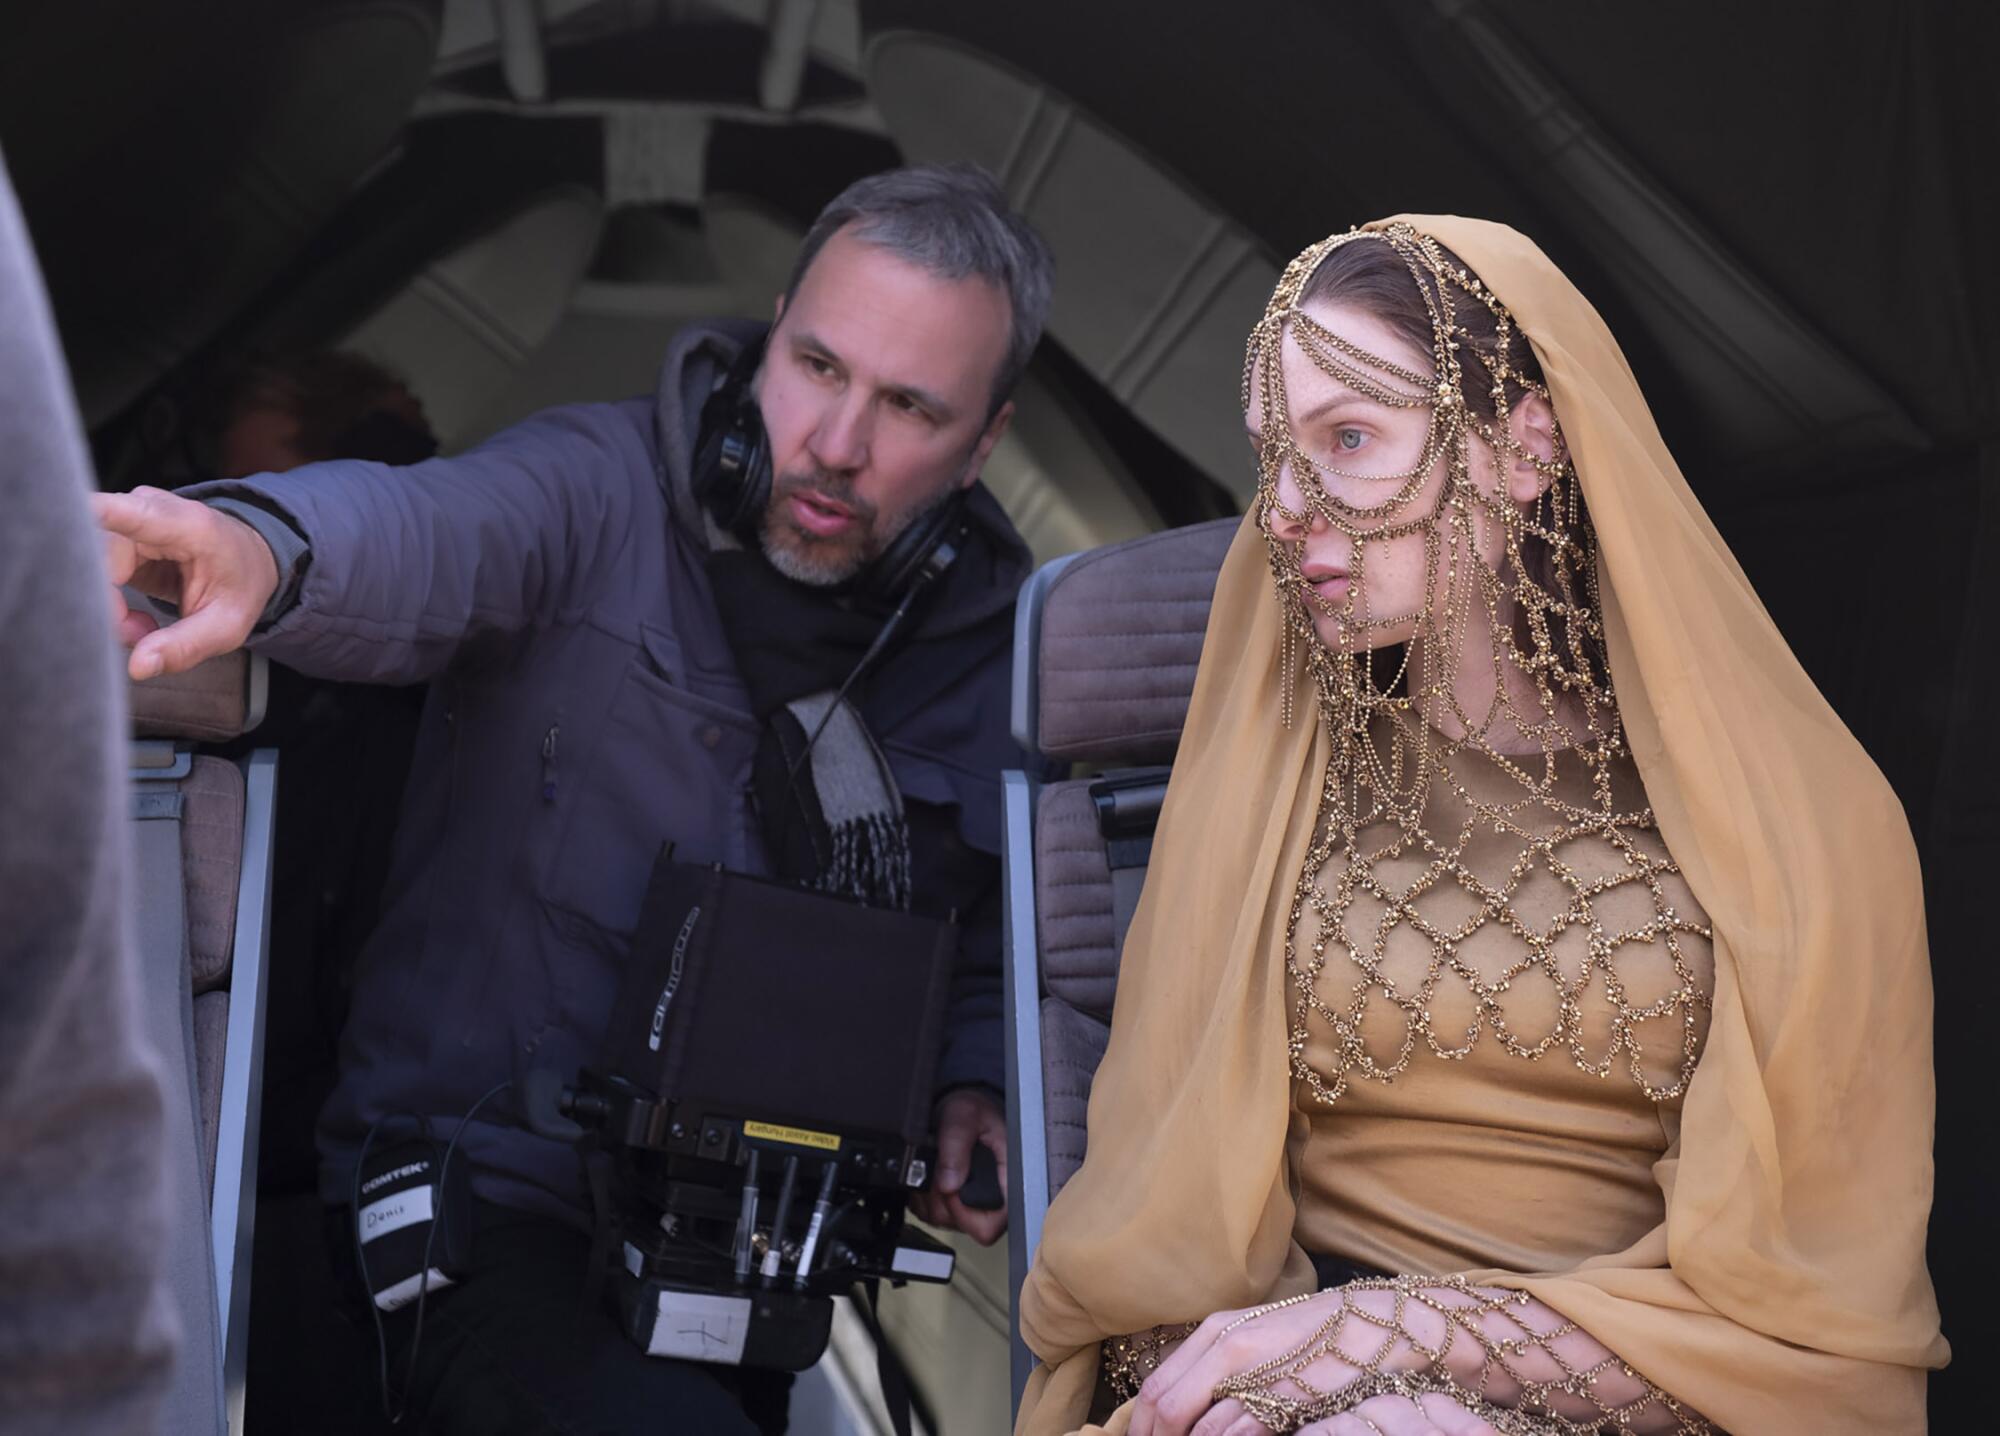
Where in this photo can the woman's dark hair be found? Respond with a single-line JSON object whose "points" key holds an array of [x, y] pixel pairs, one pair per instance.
{"points": [[1373, 278]]}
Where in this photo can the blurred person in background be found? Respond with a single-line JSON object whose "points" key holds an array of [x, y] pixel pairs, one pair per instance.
{"points": [[346, 746]]}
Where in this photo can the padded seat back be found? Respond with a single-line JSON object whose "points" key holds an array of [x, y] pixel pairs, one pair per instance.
{"points": [[1076, 932], [1117, 642], [1106, 648], [211, 867]]}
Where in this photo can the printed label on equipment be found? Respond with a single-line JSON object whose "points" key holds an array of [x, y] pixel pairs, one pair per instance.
{"points": [[796, 1136], [673, 981], [395, 1298], [393, 1213], [697, 1327], [935, 1266]]}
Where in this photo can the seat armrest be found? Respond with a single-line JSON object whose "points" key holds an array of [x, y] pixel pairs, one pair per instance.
{"points": [[233, 1209], [1027, 1135]]}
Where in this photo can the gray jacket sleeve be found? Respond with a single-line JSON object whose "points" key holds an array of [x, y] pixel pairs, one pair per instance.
{"points": [[403, 566], [288, 548], [86, 1338]]}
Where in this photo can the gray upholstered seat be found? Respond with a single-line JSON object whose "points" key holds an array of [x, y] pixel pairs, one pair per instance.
{"points": [[202, 840], [1106, 646]]}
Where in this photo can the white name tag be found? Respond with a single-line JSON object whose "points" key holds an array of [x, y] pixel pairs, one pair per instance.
{"points": [[912, 1262], [393, 1213], [394, 1298], [697, 1327]]}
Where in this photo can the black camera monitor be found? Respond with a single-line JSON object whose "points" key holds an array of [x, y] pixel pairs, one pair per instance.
{"points": [[765, 1086]]}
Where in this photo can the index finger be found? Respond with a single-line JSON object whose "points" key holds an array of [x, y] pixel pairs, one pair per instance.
{"points": [[146, 516], [121, 558], [1179, 1362], [1146, 1418]]}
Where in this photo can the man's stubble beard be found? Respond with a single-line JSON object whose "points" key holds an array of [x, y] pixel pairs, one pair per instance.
{"points": [[807, 559]]}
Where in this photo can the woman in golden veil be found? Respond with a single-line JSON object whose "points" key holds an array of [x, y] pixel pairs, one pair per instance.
{"points": [[1526, 1024]]}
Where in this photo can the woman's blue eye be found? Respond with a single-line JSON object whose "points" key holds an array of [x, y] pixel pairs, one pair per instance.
{"points": [[1349, 439]]}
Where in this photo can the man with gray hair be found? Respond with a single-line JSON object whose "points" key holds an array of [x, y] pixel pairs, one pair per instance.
{"points": [[629, 613]]}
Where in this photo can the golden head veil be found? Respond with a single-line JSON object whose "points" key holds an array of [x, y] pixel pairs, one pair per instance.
{"points": [[1785, 1291]]}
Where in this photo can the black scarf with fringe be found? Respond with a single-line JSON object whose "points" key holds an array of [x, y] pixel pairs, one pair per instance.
{"points": [[832, 819]]}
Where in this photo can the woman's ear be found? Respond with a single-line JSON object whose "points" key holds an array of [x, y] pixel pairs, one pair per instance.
{"points": [[1531, 424]]}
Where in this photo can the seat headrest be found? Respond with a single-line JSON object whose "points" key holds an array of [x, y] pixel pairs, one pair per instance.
{"points": [[211, 703], [1109, 673]]}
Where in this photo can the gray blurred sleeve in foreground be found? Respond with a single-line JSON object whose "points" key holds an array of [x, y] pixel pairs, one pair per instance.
{"points": [[86, 1341]]}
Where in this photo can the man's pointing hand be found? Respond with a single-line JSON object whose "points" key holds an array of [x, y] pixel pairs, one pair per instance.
{"points": [[214, 567]]}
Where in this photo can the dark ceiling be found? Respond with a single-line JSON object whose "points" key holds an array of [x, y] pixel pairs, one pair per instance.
{"points": [[1826, 171]]}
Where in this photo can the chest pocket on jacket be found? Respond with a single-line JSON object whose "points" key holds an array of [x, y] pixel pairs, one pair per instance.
{"points": [[668, 766]]}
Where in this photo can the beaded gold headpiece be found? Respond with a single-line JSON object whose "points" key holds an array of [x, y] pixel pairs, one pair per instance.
{"points": [[1560, 637], [1404, 731]]}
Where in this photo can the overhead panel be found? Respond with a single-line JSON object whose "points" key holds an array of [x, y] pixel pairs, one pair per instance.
{"points": [[754, 244], [1155, 288], [462, 327]]}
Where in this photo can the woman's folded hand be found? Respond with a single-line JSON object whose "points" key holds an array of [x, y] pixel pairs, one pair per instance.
{"points": [[1296, 1352]]}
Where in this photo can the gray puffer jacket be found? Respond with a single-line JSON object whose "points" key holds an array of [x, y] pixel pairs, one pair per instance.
{"points": [[585, 709]]}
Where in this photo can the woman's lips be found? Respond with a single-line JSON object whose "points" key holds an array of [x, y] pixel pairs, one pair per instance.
{"points": [[1330, 584], [820, 517]]}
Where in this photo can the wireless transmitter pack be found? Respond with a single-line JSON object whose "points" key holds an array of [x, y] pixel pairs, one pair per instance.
{"points": [[406, 1221]]}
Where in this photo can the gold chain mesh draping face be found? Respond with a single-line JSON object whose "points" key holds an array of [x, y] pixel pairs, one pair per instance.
{"points": [[1564, 639], [1407, 732]]}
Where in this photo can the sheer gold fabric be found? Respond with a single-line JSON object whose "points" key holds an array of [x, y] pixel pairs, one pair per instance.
{"points": [[1781, 1287], [1570, 1130]]}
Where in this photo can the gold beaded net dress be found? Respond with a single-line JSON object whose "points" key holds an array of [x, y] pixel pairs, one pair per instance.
{"points": [[1606, 983]]}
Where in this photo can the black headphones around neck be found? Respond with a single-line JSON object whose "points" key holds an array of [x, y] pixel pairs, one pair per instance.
{"points": [[731, 478]]}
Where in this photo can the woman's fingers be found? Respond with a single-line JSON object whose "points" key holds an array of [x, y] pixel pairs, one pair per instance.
{"points": [[1397, 1416], [1182, 1405], [1231, 1419], [1432, 1415], [1147, 1416], [1453, 1419], [1183, 1357]]}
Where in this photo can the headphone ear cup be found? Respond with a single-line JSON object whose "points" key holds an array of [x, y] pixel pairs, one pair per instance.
{"points": [[730, 474], [898, 565], [740, 480]]}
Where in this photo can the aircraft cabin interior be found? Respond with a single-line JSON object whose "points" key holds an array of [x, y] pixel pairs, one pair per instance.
{"points": [[515, 204]]}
